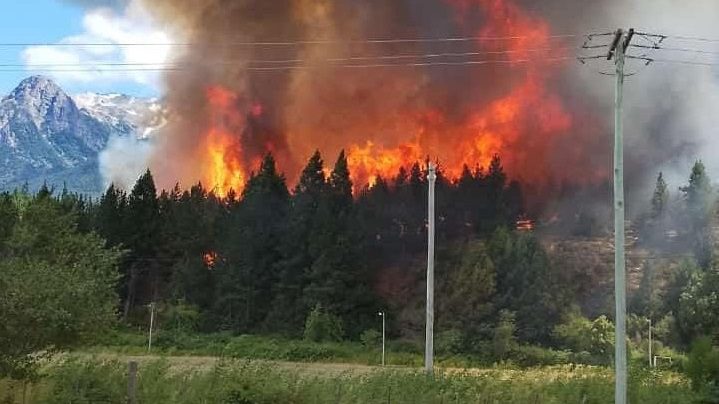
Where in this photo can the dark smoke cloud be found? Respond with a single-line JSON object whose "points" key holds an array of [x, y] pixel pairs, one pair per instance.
{"points": [[326, 109]]}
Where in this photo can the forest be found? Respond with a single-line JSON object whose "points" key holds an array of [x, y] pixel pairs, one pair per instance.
{"points": [[319, 262]]}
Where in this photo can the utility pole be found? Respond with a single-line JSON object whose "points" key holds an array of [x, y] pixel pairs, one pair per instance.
{"points": [[381, 314], [650, 342], [132, 382], [429, 335], [618, 49], [152, 320]]}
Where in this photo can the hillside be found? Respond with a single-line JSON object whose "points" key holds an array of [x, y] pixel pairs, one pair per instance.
{"points": [[48, 136]]}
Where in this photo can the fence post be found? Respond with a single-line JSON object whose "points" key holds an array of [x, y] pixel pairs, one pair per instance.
{"points": [[132, 382]]}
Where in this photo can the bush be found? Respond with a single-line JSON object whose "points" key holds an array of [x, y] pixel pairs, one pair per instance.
{"points": [[322, 326], [583, 335], [251, 382], [449, 342], [79, 381], [530, 355], [504, 340], [702, 367], [181, 317], [371, 338]]}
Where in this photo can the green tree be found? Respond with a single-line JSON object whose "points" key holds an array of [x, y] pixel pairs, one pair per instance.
{"points": [[465, 294], [338, 278], [583, 335], [699, 198], [141, 227], [57, 287], [527, 284], [503, 339], [8, 216], [251, 249], [288, 309], [703, 368], [323, 326], [660, 198], [646, 300], [698, 311]]}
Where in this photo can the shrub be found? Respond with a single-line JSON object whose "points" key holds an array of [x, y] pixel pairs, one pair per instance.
{"points": [[504, 340], [323, 326], [583, 335], [371, 338], [181, 317], [449, 342], [86, 381], [702, 367], [531, 355]]}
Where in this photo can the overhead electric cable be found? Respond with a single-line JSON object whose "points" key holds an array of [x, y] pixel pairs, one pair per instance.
{"points": [[296, 67], [285, 61], [293, 43]]}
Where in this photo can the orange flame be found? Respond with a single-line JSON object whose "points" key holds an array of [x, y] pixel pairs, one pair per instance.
{"points": [[210, 259], [223, 166], [487, 130], [522, 124]]}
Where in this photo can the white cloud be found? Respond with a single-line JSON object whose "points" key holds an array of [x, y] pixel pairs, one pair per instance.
{"points": [[131, 25]]}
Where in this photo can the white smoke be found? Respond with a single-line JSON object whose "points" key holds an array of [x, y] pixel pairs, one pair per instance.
{"points": [[671, 111], [124, 160]]}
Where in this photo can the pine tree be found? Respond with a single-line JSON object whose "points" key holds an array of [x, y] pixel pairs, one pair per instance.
{"points": [[141, 227], [660, 198], [252, 248], [341, 184], [337, 278], [110, 216], [699, 198], [288, 311]]}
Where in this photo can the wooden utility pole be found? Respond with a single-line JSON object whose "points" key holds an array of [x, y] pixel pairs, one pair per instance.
{"points": [[132, 382], [429, 335]]}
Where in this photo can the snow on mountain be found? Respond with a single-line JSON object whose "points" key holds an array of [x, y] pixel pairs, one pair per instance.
{"points": [[47, 135], [142, 115]]}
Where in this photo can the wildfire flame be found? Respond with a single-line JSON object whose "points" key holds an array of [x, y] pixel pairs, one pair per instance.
{"points": [[223, 168], [210, 259], [520, 124]]}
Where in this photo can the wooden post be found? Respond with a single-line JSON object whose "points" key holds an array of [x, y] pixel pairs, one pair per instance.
{"points": [[132, 382]]}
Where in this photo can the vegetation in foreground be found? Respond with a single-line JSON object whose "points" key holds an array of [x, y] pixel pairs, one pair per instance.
{"points": [[500, 297], [88, 380]]}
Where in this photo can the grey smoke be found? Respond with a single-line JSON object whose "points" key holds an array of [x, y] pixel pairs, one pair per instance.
{"points": [[124, 160]]}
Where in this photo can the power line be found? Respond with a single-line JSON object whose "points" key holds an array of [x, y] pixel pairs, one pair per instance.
{"points": [[684, 62], [655, 47], [285, 61], [692, 38], [299, 67], [294, 43]]}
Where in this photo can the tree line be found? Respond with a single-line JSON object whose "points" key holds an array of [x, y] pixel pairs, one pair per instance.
{"points": [[271, 259]]}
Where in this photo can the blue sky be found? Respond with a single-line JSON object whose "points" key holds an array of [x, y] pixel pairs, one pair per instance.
{"points": [[51, 21]]}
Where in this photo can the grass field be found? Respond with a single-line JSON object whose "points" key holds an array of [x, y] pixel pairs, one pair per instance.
{"points": [[102, 378]]}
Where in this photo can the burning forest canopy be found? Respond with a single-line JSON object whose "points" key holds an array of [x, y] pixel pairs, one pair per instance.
{"points": [[387, 103]]}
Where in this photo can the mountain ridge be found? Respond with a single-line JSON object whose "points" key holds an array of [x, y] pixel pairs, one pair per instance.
{"points": [[48, 136]]}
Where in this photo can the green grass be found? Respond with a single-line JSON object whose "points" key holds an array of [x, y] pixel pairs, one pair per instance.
{"points": [[402, 353], [88, 380]]}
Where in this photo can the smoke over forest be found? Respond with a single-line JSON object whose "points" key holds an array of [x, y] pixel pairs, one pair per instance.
{"points": [[290, 77]]}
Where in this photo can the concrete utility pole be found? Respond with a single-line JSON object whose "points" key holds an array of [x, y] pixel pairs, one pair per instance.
{"points": [[152, 321], [618, 49], [650, 342], [429, 336], [381, 314]]}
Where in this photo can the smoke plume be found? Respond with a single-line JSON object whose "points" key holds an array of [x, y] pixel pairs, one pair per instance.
{"points": [[237, 96]]}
